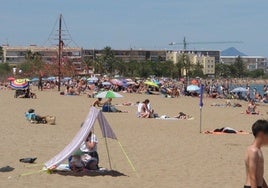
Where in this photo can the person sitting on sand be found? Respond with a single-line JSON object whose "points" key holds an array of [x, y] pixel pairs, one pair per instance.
{"points": [[70, 90], [98, 103], [224, 130], [30, 94], [87, 157], [108, 107], [143, 110], [252, 108]]}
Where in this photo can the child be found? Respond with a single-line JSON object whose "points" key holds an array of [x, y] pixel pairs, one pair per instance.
{"points": [[254, 158]]}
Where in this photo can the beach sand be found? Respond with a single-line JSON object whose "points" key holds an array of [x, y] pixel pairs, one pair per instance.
{"points": [[165, 153]]}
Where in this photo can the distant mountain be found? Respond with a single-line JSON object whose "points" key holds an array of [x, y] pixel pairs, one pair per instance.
{"points": [[232, 52]]}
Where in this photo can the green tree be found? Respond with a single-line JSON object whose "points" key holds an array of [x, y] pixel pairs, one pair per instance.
{"points": [[239, 66], [222, 70], [1, 54], [258, 73], [179, 67], [197, 70], [108, 60], [185, 62], [5, 70], [32, 65]]}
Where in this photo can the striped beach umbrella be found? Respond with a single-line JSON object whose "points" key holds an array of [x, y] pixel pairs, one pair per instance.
{"points": [[11, 79], [149, 83], [108, 95], [19, 84]]}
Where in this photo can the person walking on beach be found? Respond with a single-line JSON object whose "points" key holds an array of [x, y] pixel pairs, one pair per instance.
{"points": [[40, 84], [254, 160]]}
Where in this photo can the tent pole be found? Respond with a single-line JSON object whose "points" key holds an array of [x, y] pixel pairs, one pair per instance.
{"points": [[107, 148], [108, 153]]}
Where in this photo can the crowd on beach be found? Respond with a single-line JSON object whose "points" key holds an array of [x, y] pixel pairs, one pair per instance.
{"points": [[166, 87]]}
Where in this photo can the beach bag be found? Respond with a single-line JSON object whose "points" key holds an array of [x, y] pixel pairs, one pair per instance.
{"points": [[51, 120]]}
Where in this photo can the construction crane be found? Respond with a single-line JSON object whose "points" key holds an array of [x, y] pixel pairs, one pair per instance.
{"points": [[185, 43]]}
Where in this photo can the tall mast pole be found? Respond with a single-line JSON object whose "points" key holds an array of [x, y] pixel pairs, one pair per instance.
{"points": [[60, 54]]}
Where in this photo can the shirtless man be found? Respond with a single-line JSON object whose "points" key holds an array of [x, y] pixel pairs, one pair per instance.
{"points": [[97, 103], [254, 158], [252, 108]]}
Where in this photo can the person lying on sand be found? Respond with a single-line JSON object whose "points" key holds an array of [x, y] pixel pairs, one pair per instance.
{"points": [[34, 118], [224, 130], [182, 115]]}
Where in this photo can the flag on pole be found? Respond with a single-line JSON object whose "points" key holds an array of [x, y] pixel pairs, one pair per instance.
{"points": [[201, 104]]}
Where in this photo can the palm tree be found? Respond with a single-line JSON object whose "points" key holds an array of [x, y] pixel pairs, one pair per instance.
{"points": [[184, 64]]}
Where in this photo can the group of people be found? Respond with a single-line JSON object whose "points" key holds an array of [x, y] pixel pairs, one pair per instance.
{"points": [[145, 110], [25, 93], [86, 158]]}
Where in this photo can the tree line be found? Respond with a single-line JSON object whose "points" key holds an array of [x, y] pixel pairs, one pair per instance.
{"points": [[107, 63], [237, 70]]}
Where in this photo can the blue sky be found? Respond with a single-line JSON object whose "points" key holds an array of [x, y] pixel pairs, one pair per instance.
{"points": [[147, 24]]}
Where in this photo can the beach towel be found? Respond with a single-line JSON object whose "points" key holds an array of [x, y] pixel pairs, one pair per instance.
{"points": [[164, 117], [65, 168]]}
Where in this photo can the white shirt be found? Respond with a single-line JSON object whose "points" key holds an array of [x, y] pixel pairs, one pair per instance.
{"points": [[84, 147], [140, 106], [149, 107]]}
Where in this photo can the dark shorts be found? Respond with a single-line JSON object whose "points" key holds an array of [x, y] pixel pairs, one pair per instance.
{"points": [[246, 186]]}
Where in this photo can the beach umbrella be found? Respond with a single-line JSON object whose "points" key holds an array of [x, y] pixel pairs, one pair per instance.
{"points": [[11, 79], [93, 79], [106, 83], [51, 78], [149, 83], [192, 88], [116, 82], [19, 84], [35, 80], [67, 78], [108, 95], [26, 79], [131, 83], [239, 89]]}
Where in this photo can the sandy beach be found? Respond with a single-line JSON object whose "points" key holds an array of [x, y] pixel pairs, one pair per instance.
{"points": [[165, 153]]}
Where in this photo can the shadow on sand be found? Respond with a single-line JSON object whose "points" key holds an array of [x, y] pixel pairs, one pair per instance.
{"points": [[112, 173]]}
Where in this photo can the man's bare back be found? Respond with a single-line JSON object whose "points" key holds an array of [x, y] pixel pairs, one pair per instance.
{"points": [[254, 167], [254, 158]]}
